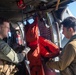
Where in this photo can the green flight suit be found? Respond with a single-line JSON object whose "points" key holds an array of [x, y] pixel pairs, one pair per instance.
{"points": [[7, 57]]}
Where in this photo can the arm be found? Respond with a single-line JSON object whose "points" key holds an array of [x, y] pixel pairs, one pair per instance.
{"points": [[67, 56], [8, 54]]}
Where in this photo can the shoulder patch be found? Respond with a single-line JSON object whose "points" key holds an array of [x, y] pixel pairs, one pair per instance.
{"points": [[4, 47]]}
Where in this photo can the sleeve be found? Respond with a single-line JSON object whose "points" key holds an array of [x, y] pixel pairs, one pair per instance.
{"points": [[65, 59], [9, 54]]}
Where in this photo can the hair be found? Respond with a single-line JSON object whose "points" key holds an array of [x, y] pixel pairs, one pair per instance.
{"points": [[2, 20], [69, 22]]}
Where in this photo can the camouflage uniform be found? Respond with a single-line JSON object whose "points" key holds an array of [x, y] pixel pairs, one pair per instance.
{"points": [[8, 57]]}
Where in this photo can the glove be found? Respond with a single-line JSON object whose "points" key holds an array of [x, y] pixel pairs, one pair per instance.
{"points": [[26, 50]]}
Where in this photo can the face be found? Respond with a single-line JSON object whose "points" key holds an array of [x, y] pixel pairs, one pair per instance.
{"points": [[4, 29], [66, 32]]}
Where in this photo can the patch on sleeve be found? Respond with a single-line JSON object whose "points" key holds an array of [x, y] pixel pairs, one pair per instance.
{"points": [[4, 47]]}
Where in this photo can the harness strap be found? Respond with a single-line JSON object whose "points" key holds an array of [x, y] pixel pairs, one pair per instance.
{"points": [[57, 4]]}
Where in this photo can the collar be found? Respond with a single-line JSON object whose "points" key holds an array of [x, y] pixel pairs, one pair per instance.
{"points": [[72, 38]]}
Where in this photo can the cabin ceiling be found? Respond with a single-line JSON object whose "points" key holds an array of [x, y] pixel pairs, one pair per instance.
{"points": [[9, 8]]}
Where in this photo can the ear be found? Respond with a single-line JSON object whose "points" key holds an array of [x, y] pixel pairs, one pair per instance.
{"points": [[71, 29]]}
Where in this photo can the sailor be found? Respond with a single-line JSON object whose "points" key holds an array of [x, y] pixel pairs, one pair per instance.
{"points": [[8, 56]]}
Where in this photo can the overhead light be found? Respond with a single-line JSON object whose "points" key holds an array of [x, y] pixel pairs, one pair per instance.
{"points": [[28, 21]]}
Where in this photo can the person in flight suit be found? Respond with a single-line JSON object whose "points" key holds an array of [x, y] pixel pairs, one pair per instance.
{"points": [[6, 52], [67, 58]]}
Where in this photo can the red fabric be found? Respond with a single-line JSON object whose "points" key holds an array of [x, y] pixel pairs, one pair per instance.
{"points": [[36, 66], [47, 48], [21, 4], [38, 49], [31, 33]]}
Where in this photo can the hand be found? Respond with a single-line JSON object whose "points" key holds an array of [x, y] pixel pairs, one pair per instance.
{"points": [[26, 50]]}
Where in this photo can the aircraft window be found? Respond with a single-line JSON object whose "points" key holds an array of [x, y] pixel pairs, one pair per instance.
{"points": [[24, 22], [31, 20], [28, 21], [9, 34]]}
